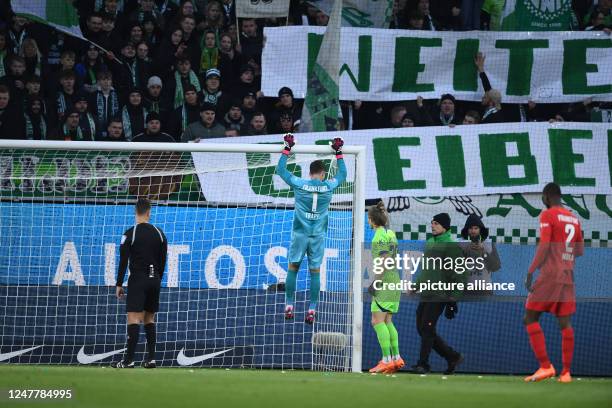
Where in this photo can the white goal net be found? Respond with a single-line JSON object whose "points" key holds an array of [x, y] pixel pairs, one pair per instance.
{"points": [[65, 207]]}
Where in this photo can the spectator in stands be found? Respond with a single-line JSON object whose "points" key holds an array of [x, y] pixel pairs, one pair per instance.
{"points": [[246, 81], [231, 133], [210, 53], [233, 119], [67, 63], [212, 92], [186, 114], [251, 42], [171, 50], [257, 125], [65, 97], [447, 13], [249, 105], [471, 118], [229, 61], [32, 57], [70, 129], [104, 102], [114, 131], [3, 54], [191, 40], [89, 68], [132, 72], [11, 120], [491, 99], [93, 31], [396, 116], [214, 18], [600, 15], [287, 124], [286, 105], [476, 247], [444, 114], [111, 32], [152, 133], [408, 120], [17, 33], [133, 114], [35, 122], [183, 76], [87, 122], [422, 7], [153, 97], [416, 21], [205, 128], [14, 79], [33, 89]]}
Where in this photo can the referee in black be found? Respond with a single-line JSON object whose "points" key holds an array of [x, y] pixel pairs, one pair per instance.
{"points": [[145, 247]]}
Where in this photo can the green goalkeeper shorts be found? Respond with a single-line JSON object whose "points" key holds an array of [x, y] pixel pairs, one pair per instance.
{"points": [[387, 307]]}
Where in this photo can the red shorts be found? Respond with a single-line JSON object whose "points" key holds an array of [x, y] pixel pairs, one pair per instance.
{"points": [[558, 299], [556, 308]]}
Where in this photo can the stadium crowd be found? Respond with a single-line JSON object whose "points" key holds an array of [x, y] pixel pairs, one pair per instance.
{"points": [[198, 68]]}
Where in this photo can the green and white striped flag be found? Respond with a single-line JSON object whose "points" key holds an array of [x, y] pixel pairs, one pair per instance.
{"points": [[321, 104], [360, 13], [59, 14]]}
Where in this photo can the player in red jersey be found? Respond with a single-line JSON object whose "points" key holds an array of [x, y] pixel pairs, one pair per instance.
{"points": [[553, 292]]}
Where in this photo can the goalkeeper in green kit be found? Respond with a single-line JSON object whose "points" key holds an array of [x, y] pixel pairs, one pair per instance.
{"points": [[385, 299]]}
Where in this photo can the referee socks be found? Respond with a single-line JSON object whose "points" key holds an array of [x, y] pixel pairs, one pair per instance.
{"points": [[150, 332], [133, 331]]}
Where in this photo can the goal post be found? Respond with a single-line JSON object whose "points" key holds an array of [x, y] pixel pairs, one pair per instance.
{"points": [[64, 206]]}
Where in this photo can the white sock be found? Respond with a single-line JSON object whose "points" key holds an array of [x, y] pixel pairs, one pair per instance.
{"points": [[396, 357], [386, 359]]}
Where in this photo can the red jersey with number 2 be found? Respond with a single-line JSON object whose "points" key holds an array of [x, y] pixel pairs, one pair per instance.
{"points": [[560, 243]]}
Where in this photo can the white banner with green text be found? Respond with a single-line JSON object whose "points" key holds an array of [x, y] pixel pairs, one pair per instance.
{"points": [[431, 161], [391, 65]]}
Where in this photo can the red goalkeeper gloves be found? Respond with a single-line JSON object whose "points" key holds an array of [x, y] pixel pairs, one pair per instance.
{"points": [[337, 144], [289, 142]]}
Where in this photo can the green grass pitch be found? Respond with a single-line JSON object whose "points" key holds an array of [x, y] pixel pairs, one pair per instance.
{"points": [[197, 387]]}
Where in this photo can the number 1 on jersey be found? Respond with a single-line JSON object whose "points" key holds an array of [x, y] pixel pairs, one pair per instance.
{"points": [[315, 197]]}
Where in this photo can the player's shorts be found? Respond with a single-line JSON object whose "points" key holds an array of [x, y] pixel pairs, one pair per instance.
{"points": [[313, 247], [143, 295], [387, 307], [559, 300]]}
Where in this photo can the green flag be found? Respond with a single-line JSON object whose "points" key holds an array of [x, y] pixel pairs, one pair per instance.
{"points": [[59, 14], [322, 92], [538, 15]]}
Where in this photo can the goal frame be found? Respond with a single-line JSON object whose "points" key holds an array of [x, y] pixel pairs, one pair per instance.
{"points": [[359, 152]]}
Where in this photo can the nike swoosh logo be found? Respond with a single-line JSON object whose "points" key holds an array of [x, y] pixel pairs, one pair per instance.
{"points": [[183, 360], [88, 359], [7, 356]]}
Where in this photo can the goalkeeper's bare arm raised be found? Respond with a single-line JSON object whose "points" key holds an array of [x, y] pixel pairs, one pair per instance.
{"points": [[312, 198]]}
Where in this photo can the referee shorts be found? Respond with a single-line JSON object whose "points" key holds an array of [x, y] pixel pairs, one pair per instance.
{"points": [[143, 295]]}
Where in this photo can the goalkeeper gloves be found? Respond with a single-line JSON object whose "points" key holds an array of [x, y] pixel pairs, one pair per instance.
{"points": [[337, 144], [451, 310], [289, 142]]}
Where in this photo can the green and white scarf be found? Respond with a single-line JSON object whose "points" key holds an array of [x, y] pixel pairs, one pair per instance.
{"points": [[100, 108], [212, 97], [2, 68], [30, 127], [79, 133], [179, 96], [127, 123], [92, 124]]}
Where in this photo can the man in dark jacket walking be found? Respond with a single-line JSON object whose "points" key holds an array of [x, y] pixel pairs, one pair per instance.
{"points": [[438, 269]]}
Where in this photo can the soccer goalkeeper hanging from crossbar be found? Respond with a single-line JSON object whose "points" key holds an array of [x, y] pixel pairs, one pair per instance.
{"points": [[312, 198]]}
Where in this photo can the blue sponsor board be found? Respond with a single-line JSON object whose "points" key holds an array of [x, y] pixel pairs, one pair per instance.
{"points": [[208, 247]]}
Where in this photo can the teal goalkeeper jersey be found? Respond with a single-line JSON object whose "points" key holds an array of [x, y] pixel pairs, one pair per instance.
{"points": [[312, 198]]}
